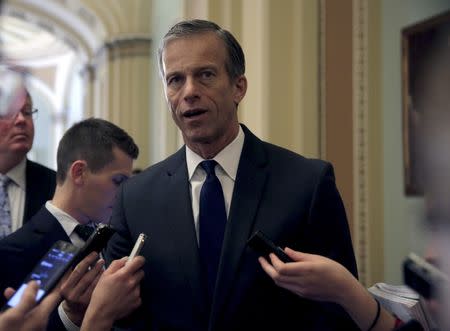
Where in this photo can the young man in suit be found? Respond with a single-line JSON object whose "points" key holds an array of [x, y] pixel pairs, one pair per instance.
{"points": [[28, 184], [94, 157], [201, 275]]}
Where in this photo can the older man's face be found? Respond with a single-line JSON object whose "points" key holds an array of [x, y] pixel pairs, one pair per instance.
{"points": [[17, 131]]}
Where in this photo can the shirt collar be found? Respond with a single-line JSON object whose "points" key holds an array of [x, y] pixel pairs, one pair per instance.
{"points": [[228, 158], [67, 222], [17, 174]]}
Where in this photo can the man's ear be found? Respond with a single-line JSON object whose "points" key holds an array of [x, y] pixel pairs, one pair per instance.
{"points": [[78, 171], [240, 86]]}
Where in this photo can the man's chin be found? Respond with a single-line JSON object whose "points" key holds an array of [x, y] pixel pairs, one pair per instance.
{"points": [[198, 137], [21, 148]]}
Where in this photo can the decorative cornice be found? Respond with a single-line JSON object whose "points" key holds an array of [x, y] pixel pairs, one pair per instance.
{"points": [[128, 46], [118, 48]]}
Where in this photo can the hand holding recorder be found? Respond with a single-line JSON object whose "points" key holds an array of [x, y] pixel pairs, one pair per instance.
{"points": [[96, 242], [48, 271], [137, 247], [79, 286], [77, 290], [264, 246], [319, 278], [117, 293], [29, 315]]}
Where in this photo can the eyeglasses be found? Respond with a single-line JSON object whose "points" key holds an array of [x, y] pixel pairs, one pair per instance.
{"points": [[27, 112]]}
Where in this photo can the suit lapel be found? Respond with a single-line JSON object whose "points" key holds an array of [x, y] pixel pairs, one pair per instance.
{"points": [[40, 187], [179, 216], [31, 195], [248, 189], [46, 226], [32, 241]]}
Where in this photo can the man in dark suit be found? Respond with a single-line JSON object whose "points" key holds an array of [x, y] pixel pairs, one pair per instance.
{"points": [[40, 183], [30, 184], [293, 200], [94, 157]]}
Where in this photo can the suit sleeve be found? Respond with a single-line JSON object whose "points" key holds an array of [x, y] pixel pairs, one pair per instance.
{"points": [[329, 235], [120, 244]]}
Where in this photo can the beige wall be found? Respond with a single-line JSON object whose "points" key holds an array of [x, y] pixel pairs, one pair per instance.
{"points": [[281, 47]]}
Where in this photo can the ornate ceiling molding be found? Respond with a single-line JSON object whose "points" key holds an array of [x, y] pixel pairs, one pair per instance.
{"points": [[70, 22]]}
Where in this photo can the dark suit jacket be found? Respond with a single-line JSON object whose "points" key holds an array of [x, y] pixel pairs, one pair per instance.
{"points": [[292, 199], [21, 250], [40, 186]]}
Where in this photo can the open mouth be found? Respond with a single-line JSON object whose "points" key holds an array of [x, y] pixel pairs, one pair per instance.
{"points": [[193, 113]]}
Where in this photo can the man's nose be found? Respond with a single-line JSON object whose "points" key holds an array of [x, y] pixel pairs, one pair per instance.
{"points": [[191, 90], [19, 117]]}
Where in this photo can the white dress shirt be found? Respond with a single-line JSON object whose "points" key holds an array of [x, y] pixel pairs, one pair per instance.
{"points": [[226, 170], [68, 223], [16, 193]]}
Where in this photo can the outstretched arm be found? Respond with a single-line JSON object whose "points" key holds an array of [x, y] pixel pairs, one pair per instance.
{"points": [[319, 278]]}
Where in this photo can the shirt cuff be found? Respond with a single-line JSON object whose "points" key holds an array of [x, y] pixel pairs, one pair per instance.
{"points": [[68, 324]]}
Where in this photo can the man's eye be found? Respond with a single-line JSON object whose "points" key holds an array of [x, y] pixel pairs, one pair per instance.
{"points": [[173, 80], [118, 181], [207, 74]]}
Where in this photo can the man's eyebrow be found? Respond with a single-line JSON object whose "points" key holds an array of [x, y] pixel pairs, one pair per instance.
{"points": [[172, 73]]}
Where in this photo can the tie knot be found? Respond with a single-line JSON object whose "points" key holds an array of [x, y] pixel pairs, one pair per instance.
{"points": [[208, 166], [84, 231], [4, 180]]}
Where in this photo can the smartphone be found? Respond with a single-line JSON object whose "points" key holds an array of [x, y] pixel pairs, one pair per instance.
{"points": [[96, 242], [264, 246], [423, 277], [137, 246], [48, 271]]}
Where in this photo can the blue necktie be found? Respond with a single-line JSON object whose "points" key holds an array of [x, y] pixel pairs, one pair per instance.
{"points": [[5, 210], [212, 221]]}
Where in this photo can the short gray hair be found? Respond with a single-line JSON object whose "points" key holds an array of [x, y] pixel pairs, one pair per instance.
{"points": [[235, 64]]}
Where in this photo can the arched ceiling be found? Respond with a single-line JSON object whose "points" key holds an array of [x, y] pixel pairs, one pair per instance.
{"points": [[53, 27], [55, 38], [120, 17], [52, 39], [24, 41]]}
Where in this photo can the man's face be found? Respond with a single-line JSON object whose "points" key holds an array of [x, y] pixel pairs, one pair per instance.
{"points": [[100, 188], [199, 92], [17, 132]]}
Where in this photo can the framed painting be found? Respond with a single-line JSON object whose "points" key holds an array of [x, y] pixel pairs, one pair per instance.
{"points": [[420, 42]]}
